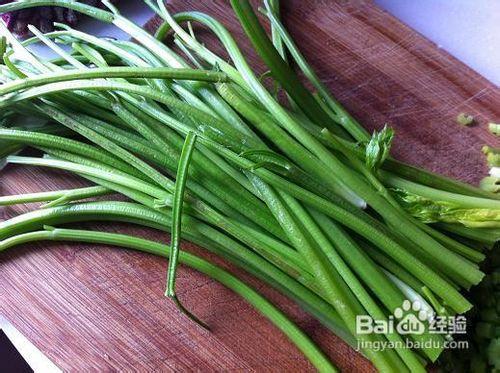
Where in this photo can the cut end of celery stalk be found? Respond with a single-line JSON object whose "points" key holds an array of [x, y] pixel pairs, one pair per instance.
{"points": [[495, 171], [465, 119], [490, 184], [494, 128]]}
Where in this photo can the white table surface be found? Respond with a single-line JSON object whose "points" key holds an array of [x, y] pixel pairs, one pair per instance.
{"points": [[467, 29]]}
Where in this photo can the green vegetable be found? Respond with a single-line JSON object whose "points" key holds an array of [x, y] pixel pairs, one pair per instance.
{"points": [[178, 199], [490, 184], [482, 327], [301, 340], [432, 211], [298, 195], [492, 155], [494, 128], [465, 119], [56, 197], [377, 150]]}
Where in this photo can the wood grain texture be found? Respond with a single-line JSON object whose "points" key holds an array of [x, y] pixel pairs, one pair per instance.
{"points": [[96, 308]]}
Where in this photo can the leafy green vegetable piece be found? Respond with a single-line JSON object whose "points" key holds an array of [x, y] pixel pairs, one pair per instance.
{"points": [[492, 155], [430, 211], [465, 119], [377, 149], [490, 184], [494, 128]]}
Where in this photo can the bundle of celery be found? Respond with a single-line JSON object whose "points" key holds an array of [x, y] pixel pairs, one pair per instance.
{"points": [[297, 193], [483, 354]]}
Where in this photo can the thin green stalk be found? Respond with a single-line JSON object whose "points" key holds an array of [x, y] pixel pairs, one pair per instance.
{"points": [[403, 224], [110, 146], [284, 142], [103, 44], [205, 53], [128, 181], [432, 259], [57, 195], [236, 197], [279, 251], [112, 72], [280, 70], [274, 8], [21, 52], [192, 99], [90, 11], [167, 120], [165, 138], [362, 298], [484, 235], [264, 246], [337, 294], [435, 180], [406, 171], [294, 172], [213, 99], [456, 246], [198, 233], [342, 116], [392, 267], [175, 232], [89, 104], [369, 224], [363, 224], [439, 195], [148, 92], [92, 55], [397, 219], [301, 340], [371, 274], [166, 160], [57, 49], [38, 139], [200, 209], [255, 85], [370, 176], [413, 296], [133, 194]]}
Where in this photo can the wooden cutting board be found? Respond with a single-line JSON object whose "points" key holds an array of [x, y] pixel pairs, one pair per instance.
{"points": [[99, 308]]}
